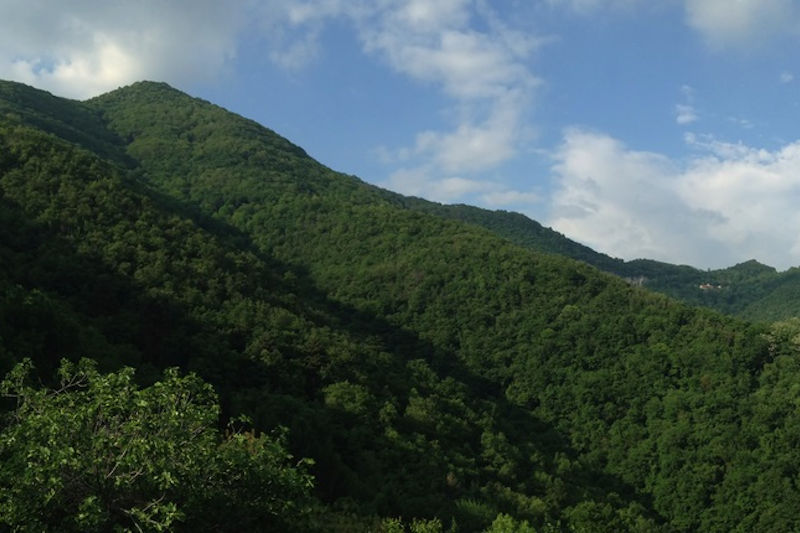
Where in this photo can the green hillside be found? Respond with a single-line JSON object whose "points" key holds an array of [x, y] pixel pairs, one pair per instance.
{"points": [[521, 230], [749, 290], [439, 376]]}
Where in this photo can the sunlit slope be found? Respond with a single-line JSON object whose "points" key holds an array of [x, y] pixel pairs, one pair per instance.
{"points": [[609, 365], [96, 262], [430, 366], [749, 290]]}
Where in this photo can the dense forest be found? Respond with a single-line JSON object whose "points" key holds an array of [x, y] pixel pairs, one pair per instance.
{"points": [[202, 328], [749, 290]]}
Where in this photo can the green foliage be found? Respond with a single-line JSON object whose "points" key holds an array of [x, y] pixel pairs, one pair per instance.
{"points": [[68, 119], [416, 525], [750, 290], [432, 369], [97, 453], [506, 524], [521, 230]]}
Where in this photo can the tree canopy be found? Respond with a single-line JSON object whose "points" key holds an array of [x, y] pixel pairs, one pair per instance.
{"points": [[441, 374], [96, 453]]}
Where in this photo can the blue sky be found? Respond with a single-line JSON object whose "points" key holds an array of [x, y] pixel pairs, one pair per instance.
{"points": [[643, 128]]}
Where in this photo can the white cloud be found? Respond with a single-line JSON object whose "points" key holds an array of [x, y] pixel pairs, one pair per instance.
{"points": [[742, 122], [461, 48], [742, 22], [301, 12], [94, 47], [585, 7], [443, 50], [457, 187], [617, 200], [730, 203], [685, 114], [296, 53], [483, 72], [475, 145], [757, 191], [722, 23], [421, 181], [786, 77], [292, 29], [511, 197]]}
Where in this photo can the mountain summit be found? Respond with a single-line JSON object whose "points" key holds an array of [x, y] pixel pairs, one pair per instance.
{"points": [[439, 372]]}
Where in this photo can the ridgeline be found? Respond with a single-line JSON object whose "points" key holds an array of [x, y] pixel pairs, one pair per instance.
{"points": [[442, 368]]}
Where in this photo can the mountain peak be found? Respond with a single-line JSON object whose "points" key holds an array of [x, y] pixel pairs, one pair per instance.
{"points": [[752, 266], [145, 90]]}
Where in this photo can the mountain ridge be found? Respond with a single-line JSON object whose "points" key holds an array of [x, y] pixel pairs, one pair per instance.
{"points": [[748, 289], [680, 281], [431, 368]]}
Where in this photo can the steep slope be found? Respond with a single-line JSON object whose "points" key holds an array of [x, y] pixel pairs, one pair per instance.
{"points": [[740, 294], [750, 290], [105, 266], [523, 231], [607, 364], [68, 119], [429, 367]]}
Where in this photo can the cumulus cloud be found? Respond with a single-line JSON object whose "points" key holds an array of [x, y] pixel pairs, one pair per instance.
{"points": [[437, 45], [475, 145], [504, 198], [757, 192], [418, 181], [730, 203], [742, 22], [93, 47], [483, 73], [685, 114], [292, 29], [620, 201], [722, 23], [461, 48]]}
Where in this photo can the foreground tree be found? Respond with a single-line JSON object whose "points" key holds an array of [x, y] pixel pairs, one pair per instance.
{"points": [[97, 453]]}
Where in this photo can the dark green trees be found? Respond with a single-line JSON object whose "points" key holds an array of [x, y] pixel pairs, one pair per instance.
{"points": [[96, 453], [436, 373]]}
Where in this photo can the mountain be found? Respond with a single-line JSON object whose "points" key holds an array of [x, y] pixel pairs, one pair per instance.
{"points": [[750, 290], [432, 369]]}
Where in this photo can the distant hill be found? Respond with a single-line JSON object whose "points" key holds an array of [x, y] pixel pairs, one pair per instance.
{"points": [[750, 289], [441, 374], [523, 231]]}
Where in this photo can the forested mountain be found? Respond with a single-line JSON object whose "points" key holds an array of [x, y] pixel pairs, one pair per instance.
{"points": [[749, 290], [437, 375]]}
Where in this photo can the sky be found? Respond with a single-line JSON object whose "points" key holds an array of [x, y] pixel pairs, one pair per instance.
{"points": [[662, 129]]}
